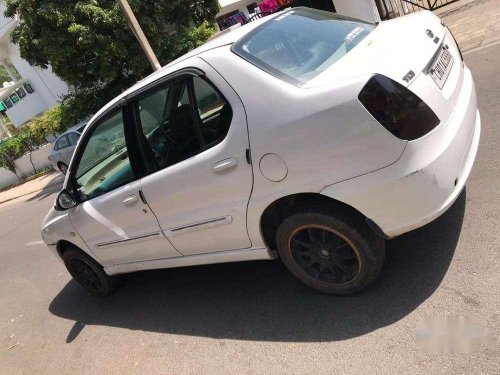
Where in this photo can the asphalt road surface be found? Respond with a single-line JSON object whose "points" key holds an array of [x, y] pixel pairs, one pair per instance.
{"points": [[435, 309]]}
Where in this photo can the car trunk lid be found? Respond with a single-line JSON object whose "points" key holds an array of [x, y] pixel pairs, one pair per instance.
{"points": [[399, 48], [405, 49]]}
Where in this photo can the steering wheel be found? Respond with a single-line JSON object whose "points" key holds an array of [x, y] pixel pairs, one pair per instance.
{"points": [[168, 147], [161, 143]]}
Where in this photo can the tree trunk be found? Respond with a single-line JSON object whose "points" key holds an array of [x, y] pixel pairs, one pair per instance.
{"points": [[31, 161]]}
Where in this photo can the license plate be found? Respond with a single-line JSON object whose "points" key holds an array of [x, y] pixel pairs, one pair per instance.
{"points": [[441, 67]]}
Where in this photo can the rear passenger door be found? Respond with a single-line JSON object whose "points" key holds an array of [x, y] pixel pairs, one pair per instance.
{"points": [[195, 140]]}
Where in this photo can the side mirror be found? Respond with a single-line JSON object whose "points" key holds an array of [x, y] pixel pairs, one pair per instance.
{"points": [[65, 201]]}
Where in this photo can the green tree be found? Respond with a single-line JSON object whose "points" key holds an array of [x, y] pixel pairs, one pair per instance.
{"points": [[7, 156], [89, 45], [4, 76]]}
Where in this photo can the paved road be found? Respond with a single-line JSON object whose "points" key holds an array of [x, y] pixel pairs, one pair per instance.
{"points": [[474, 23], [254, 317]]}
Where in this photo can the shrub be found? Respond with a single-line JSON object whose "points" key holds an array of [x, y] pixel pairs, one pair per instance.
{"points": [[31, 136], [11, 128], [48, 123]]}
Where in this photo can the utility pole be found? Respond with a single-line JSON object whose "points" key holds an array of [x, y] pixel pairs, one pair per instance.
{"points": [[139, 34]]}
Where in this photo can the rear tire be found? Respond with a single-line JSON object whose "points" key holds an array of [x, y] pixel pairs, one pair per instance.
{"points": [[62, 167], [331, 250], [88, 273]]}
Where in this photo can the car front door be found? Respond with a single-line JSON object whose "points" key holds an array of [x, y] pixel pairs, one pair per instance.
{"points": [[112, 217], [62, 149], [68, 151], [194, 130]]}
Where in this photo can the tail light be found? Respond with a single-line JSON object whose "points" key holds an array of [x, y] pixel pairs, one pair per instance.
{"points": [[397, 109]]}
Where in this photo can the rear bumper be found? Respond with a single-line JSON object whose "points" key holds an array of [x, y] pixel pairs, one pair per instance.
{"points": [[428, 177]]}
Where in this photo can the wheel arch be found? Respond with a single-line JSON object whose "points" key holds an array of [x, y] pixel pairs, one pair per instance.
{"points": [[64, 245], [285, 206]]}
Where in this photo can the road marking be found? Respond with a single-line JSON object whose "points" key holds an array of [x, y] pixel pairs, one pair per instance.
{"points": [[34, 243]]}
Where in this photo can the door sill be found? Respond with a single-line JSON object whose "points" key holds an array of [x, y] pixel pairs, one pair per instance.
{"points": [[226, 256]]}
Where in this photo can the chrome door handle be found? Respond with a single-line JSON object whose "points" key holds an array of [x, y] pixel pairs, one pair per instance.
{"points": [[224, 165], [130, 200]]}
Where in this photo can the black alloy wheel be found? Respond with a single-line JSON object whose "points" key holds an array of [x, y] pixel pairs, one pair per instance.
{"points": [[88, 273], [331, 249], [325, 254], [63, 168]]}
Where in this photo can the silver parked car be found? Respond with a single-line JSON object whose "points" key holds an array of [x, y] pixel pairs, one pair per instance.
{"points": [[64, 146]]}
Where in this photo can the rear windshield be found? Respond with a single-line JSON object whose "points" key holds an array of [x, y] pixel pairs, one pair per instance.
{"points": [[298, 45]]}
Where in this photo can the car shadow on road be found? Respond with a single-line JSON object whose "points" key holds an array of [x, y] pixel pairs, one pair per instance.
{"points": [[261, 301], [54, 185]]}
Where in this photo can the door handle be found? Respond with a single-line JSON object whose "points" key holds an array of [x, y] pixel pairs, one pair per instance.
{"points": [[130, 200], [224, 165]]}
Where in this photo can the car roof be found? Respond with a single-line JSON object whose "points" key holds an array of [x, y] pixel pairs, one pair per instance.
{"points": [[73, 128], [220, 40]]}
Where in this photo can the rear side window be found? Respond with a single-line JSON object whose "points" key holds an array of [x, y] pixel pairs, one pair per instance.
{"points": [[180, 120], [214, 111], [300, 44], [73, 138]]}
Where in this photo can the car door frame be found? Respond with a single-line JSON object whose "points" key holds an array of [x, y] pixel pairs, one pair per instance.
{"points": [[133, 98], [137, 169], [184, 72], [136, 160]]}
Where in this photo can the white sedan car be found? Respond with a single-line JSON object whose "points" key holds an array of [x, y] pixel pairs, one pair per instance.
{"points": [[306, 136]]}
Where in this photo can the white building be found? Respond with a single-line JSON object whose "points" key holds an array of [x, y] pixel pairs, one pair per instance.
{"points": [[232, 10], [46, 88]]}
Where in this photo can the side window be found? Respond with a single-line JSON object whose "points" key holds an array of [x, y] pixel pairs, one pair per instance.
{"points": [[214, 111], [168, 126], [104, 164], [181, 120], [73, 138], [184, 96], [61, 143]]}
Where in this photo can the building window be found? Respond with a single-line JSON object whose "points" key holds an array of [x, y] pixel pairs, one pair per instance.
{"points": [[251, 8], [231, 19]]}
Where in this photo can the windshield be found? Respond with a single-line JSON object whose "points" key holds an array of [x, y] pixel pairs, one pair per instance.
{"points": [[301, 43]]}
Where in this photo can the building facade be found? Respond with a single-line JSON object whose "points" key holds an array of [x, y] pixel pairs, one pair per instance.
{"points": [[31, 90], [233, 12]]}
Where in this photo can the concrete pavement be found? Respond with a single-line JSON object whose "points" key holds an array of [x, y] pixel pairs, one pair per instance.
{"points": [[253, 318], [474, 24]]}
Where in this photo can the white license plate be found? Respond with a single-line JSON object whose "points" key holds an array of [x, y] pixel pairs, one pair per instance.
{"points": [[441, 67]]}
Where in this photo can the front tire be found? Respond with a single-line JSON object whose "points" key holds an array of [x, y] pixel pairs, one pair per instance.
{"points": [[88, 273], [62, 167], [331, 250]]}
